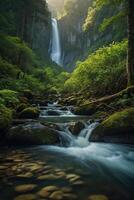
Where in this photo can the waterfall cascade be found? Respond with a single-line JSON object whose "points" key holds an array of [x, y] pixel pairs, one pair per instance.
{"points": [[55, 43]]}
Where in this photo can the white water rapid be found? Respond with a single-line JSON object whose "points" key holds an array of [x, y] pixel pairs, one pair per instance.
{"points": [[55, 43]]}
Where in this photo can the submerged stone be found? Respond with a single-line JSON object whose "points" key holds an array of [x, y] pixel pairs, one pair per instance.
{"points": [[57, 195], [25, 188], [26, 197], [97, 197]]}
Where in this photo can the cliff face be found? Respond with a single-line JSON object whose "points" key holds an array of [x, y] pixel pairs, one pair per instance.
{"points": [[38, 29], [76, 44]]}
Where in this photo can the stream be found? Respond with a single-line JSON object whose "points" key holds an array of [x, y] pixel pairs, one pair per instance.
{"points": [[76, 169]]}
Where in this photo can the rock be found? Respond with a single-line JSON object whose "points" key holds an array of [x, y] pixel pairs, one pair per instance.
{"points": [[43, 193], [48, 177], [29, 113], [57, 195], [70, 176], [51, 188], [118, 128], [26, 197], [5, 119], [25, 175], [97, 197], [25, 188], [76, 127], [66, 189], [78, 183], [21, 107], [32, 134], [53, 113]]}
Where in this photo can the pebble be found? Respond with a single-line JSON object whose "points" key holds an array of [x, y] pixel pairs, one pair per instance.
{"points": [[57, 195], [48, 177], [25, 188], [43, 193], [26, 197], [51, 188], [26, 175], [97, 197]]}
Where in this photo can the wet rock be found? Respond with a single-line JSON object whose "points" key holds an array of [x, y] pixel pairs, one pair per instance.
{"points": [[32, 134], [25, 188], [70, 176], [51, 188], [26, 197], [66, 189], [57, 195], [47, 177], [43, 193], [97, 197], [78, 183], [76, 127], [25, 175]]}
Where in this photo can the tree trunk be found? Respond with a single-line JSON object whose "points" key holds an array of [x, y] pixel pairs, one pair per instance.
{"points": [[130, 64]]}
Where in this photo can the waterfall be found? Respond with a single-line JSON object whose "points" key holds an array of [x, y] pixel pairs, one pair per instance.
{"points": [[55, 43]]}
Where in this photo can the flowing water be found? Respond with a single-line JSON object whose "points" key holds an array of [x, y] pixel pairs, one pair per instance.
{"points": [[78, 168], [55, 43]]}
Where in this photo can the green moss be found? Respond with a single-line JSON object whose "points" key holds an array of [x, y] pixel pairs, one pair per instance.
{"points": [[29, 113], [124, 118], [9, 98], [5, 118], [118, 127], [21, 107]]}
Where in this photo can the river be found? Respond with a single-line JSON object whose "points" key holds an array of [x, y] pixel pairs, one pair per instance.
{"points": [[76, 169]]}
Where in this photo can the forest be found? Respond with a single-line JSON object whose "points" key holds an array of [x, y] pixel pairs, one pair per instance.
{"points": [[66, 99]]}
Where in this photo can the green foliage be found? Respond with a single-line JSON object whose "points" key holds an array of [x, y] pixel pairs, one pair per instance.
{"points": [[5, 118], [16, 52], [9, 98], [98, 5], [103, 72], [8, 70]]}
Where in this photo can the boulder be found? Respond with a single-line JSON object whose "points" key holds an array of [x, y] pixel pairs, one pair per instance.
{"points": [[32, 134], [76, 127], [118, 128], [21, 107], [29, 113]]}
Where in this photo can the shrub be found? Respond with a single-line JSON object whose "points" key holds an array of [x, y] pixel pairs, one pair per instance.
{"points": [[9, 98], [103, 72], [5, 118]]}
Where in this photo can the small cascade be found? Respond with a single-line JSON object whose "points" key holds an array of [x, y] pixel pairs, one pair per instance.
{"points": [[63, 116], [55, 43], [83, 139]]}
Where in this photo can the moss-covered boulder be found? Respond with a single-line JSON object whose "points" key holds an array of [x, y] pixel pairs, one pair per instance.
{"points": [[118, 128], [85, 109], [9, 98], [32, 134], [29, 113], [21, 107], [5, 119]]}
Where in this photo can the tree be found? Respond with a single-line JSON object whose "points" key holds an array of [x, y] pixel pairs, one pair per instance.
{"points": [[127, 7], [130, 64]]}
